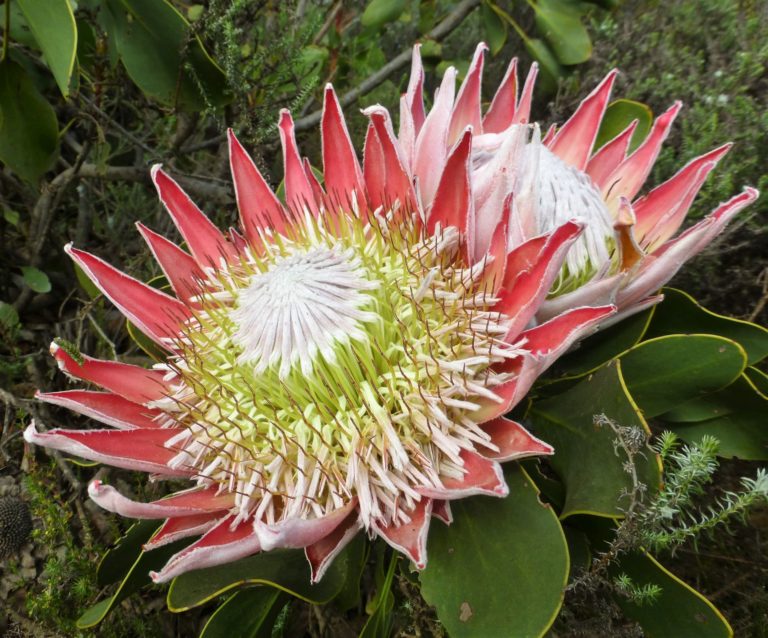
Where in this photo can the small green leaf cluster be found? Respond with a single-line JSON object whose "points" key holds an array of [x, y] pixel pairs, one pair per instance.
{"points": [[638, 594], [561, 39], [67, 583], [674, 516]]}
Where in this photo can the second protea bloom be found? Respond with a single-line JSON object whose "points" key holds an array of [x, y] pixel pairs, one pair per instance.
{"points": [[342, 363], [534, 183]]}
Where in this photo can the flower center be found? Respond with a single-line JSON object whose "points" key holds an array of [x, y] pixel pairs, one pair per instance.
{"points": [[302, 305], [403, 341], [566, 192]]}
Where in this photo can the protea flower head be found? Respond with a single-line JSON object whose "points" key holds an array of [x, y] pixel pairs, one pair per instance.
{"points": [[533, 184], [343, 362]]}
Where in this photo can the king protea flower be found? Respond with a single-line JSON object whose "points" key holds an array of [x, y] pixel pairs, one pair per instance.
{"points": [[533, 185], [343, 362]]}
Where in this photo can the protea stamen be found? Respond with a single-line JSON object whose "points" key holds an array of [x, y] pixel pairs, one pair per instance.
{"points": [[336, 364]]}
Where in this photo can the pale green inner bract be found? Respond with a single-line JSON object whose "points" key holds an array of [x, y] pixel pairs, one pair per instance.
{"points": [[389, 410]]}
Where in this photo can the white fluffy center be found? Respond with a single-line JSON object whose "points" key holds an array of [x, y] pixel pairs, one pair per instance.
{"points": [[566, 192], [300, 306]]}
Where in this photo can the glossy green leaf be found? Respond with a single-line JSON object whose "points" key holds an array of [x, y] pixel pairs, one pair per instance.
{"points": [[36, 279], [603, 346], [162, 58], [759, 379], [117, 561], [29, 132], [500, 568], [679, 610], [285, 569], [246, 614], [566, 421], [551, 70], [494, 27], [679, 313], [53, 25], [665, 372], [739, 423], [379, 12], [20, 31], [136, 578], [618, 116], [559, 22]]}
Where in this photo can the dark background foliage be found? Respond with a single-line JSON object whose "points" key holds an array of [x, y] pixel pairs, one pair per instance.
{"points": [[152, 81]]}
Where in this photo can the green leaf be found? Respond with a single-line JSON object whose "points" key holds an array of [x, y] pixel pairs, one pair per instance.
{"points": [[11, 216], [312, 59], [29, 132], [36, 279], [379, 623], [759, 379], [117, 561], [85, 282], [551, 71], [195, 12], [665, 372], [603, 346], [285, 569], [494, 27], [135, 579], [246, 614], [738, 420], [559, 21], [679, 610], [680, 313], [500, 568], [20, 31], [53, 25], [144, 342], [430, 49], [162, 57], [380, 12], [618, 116], [566, 421], [9, 318]]}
